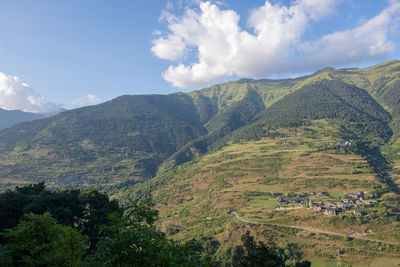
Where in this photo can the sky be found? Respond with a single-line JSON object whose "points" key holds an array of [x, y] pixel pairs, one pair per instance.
{"points": [[68, 54]]}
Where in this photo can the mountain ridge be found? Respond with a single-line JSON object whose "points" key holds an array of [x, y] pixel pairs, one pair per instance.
{"points": [[134, 137], [9, 118]]}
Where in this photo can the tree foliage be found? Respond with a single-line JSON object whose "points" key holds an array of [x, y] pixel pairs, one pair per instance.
{"points": [[132, 240], [39, 240], [269, 254], [104, 235], [86, 210]]}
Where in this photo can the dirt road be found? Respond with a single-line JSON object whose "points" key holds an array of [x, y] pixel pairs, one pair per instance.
{"points": [[313, 230]]}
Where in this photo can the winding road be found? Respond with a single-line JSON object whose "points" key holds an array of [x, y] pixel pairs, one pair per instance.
{"points": [[310, 229]]}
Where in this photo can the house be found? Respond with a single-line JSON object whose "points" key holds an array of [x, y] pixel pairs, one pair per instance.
{"points": [[317, 208], [369, 201], [282, 201], [347, 205], [330, 211], [340, 205], [327, 204], [357, 213], [345, 144]]}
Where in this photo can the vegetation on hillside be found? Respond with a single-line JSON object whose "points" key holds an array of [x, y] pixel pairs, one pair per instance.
{"points": [[206, 157], [102, 233], [131, 138], [125, 236], [196, 199], [128, 136]]}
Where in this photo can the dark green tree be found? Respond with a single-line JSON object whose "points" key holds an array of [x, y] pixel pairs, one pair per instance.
{"points": [[133, 240], [269, 254], [261, 254], [65, 205], [97, 207], [41, 241]]}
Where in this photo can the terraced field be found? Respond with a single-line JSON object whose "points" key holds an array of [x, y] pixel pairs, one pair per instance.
{"points": [[248, 177]]}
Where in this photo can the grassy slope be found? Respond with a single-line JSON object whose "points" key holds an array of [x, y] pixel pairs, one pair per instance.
{"points": [[383, 83], [194, 199]]}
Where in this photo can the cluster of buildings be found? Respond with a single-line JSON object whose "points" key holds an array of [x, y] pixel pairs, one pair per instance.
{"points": [[330, 207], [317, 193], [345, 144], [298, 199]]}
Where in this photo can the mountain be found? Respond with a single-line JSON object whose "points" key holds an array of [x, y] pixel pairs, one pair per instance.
{"points": [[197, 199], [129, 135], [222, 160], [324, 137], [10, 118], [132, 138]]}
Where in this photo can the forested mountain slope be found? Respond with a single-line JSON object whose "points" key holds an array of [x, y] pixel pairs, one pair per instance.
{"points": [[132, 138], [129, 135]]}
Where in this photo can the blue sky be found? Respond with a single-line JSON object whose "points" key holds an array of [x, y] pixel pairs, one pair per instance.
{"points": [[73, 53]]}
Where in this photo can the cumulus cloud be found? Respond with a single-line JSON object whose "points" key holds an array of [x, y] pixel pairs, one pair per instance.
{"points": [[86, 100], [16, 95], [369, 40], [273, 45]]}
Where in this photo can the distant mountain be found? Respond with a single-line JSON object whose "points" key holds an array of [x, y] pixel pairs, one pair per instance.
{"points": [[130, 133], [131, 138], [10, 118]]}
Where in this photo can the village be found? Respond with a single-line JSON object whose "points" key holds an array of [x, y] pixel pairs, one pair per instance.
{"points": [[329, 207]]}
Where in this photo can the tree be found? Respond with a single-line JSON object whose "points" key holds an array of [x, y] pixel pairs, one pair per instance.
{"points": [[269, 254], [132, 240], [97, 207], [66, 205], [41, 241], [86, 211], [260, 254]]}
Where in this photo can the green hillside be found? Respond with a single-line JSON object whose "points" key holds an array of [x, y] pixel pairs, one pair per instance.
{"points": [[291, 147], [132, 138], [125, 138], [222, 160], [197, 199]]}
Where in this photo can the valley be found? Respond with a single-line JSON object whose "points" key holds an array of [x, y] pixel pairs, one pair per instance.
{"points": [[247, 179], [311, 162]]}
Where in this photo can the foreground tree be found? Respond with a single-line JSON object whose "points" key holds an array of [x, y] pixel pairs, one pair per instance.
{"points": [[41, 241], [64, 205], [96, 209], [85, 211], [102, 235], [133, 240], [269, 254]]}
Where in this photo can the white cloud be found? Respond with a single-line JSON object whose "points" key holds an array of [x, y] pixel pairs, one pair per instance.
{"points": [[86, 100], [274, 45], [369, 40], [16, 95]]}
